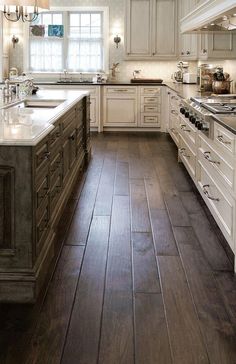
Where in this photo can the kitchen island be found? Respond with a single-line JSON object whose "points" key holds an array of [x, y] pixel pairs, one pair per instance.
{"points": [[44, 146]]}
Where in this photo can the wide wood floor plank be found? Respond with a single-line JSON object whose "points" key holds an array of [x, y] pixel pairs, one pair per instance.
{"points": [[217, 330], [47, 342], [154, 194], [117, 335], [177, 213], [214, 252], [140, 221], [81, 221], [122, 179], [119, 269], [106, 187], [166, 182], [84, 331], [191, 201], [163, 237], [183, 324], [151, 336], [145, 274]]}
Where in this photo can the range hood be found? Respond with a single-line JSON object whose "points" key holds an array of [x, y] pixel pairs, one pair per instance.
{"points": [[210, 16]]}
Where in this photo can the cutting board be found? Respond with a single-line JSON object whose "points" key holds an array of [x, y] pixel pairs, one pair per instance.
{"points": [[146, 80]]}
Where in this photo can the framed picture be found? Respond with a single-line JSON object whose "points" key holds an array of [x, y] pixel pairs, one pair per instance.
{"points": [[37, 30], [56, 31]]}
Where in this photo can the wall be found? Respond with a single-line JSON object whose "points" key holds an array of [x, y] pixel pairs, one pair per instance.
{"points": [[161, 69]]}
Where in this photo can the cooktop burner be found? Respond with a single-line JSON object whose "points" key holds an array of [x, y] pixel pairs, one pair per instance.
{"points": [[220, 108]]}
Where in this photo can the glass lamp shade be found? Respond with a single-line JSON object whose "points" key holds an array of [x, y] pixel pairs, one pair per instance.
{"points": [[28, 5]]}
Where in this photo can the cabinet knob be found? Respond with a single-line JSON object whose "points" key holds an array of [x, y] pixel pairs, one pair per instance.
{"points": [[72, 137], [182, 53], [188, 53], [204, 51]]}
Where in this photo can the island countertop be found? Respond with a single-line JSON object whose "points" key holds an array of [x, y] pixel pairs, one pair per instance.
{"points": [[27, 126]]}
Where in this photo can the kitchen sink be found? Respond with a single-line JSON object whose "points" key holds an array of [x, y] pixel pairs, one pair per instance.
{"points": [[36, 104], [68, 82]]}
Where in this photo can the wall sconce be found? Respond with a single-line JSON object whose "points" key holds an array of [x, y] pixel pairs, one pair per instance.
{"points": [[14, 40], [117, 40]]}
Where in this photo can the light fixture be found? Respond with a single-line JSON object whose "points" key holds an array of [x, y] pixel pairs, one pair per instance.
{"points": [[14, 40], [117, 40], [26, 10]]}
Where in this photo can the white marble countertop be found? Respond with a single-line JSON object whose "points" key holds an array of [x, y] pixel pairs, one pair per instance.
{"points": [[27, 126]]}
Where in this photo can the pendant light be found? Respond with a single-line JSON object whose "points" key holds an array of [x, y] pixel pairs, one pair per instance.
{"points": [[26, 10]]}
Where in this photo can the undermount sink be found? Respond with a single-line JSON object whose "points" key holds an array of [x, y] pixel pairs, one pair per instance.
{"points": [[42, 104], [68, 82]]}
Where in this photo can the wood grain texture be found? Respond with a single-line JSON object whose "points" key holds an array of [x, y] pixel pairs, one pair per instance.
{"points": [[47, 341], [176, 210], [140, 221], [119, 269], [84, 331], [154, 194], [210, 244], [117, 336], [163, 237], [145, 274], [184, 328], [151, 336], [227, 283], [217, 330], [122, 179]]}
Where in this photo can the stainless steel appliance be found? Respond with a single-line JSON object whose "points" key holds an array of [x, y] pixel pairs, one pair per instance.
{"points": [[202, 111], [182, 69]]}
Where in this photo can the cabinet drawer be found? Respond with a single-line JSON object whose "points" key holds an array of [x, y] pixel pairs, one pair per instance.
{"points": [[55, 193], [188, 156], [174, 135], [150, 100], [121, 90], [224, 138], [42, 156], [42, 191], [150, 90], [151, 108], [218, 200], [188, 131], [214, 160], [56, 167], [55, 137], [68, 123], [148, 119], [42, 227]]}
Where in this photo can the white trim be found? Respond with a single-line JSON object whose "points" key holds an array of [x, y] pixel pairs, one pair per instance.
{"points": [[103, 9], [1, 47], [206, 13]]}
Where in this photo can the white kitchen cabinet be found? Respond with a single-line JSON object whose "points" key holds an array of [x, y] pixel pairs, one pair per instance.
{"points": [[151, 29], [174, 103], [217, 46], [188, 43], [120, 106], [150, 101], [4, 48]]}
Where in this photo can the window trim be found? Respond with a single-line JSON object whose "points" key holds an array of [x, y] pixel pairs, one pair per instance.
{"points": [[66, 10]]}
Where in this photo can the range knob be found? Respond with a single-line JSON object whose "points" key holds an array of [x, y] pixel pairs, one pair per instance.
{"points": [[197, 122], [182, 110], [187, 114], [200, 126], [193, 120]]}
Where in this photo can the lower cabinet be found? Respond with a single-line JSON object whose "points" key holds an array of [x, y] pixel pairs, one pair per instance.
{"points": [[38, 181], [120, 106]]}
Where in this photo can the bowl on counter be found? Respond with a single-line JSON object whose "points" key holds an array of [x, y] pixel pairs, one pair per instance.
{"points": [[221, 87]]}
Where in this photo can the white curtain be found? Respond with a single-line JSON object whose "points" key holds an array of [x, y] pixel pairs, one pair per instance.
{"points": [[46, 54], [85, 55]]}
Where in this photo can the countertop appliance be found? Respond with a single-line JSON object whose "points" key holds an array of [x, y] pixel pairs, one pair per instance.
{"points": [[189, 77], [202, 111]]}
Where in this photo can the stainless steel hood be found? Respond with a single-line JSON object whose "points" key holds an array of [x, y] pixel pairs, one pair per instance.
{"points": [[210, 16]]}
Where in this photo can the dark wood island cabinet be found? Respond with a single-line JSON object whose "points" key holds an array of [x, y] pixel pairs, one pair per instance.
{"points": [[35, 184]]}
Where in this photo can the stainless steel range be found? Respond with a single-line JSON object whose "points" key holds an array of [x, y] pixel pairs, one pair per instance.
{"points": [[201, 111]]}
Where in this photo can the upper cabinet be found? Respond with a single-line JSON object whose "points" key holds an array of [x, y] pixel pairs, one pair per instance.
{"points": [[217, 46], [4, 48], [188, 43], [151, 29]]}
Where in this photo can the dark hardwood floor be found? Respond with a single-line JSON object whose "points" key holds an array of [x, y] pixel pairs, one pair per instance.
{"points": [[142, 277]]}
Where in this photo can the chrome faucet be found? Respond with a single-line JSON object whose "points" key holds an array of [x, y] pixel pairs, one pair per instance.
{"points": [[7, 92]]}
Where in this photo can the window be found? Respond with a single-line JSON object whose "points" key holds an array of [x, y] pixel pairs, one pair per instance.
{"points": [[81, 48]]}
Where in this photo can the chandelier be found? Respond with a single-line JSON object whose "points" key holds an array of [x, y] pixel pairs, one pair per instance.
{"points": [[26, 10]]}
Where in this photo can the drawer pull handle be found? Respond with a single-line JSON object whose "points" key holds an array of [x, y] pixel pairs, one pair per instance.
{"points": [[183, 128], [120, 90], [221, 139], [205, 191], [47, 155], [72, 137], [151, 108], [151, 99], [174, 112], [207, 157], [182, 152]]}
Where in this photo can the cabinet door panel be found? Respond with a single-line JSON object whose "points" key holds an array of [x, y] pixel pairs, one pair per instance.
{"points": [[164, 35], [121, 112], [138, 27]]}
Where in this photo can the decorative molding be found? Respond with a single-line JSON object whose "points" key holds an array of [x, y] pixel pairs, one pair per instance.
{"points": [[206, 13]]}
